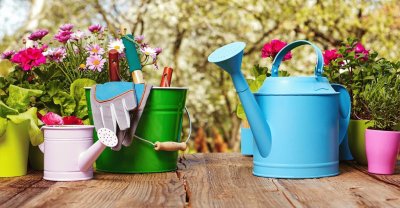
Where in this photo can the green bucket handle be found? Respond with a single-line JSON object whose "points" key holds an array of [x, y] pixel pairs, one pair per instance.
{"points": [[171, 146]]}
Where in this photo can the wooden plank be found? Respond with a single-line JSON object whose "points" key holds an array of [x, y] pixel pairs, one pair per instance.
{"points": [[226, 180], [105, 190], [388, 179]]}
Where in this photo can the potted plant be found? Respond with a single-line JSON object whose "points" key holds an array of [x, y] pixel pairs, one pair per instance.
{"points": [[18, 125], [259, 74], [76, 59], [382, 100], [355, 67]]}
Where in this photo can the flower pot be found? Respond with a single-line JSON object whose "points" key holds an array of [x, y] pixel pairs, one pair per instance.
{"points": [[246, 141], [14, 148], [36, 158], [382, 148], [356, 137]]}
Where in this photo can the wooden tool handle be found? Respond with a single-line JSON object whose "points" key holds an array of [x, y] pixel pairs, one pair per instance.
{"points": [[170, 146], [166, 77], [113, 65]]}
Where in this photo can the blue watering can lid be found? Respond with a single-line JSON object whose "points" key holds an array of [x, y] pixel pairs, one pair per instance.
{"points": [[315, 85]]}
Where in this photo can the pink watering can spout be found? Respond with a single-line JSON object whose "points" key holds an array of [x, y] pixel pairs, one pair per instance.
{"points": [[107, 138]]}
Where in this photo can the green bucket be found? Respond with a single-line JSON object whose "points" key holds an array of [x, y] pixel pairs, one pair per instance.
{"points": [[161, 121]]}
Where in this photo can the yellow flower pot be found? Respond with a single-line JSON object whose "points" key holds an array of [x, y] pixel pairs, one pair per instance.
{"points": [[14, 150]]}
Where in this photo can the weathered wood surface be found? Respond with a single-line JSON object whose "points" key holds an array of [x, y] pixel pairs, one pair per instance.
{"points": [[206, 180]]}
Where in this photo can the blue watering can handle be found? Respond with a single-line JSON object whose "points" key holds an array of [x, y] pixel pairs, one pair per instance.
{"points": [[319, 68]]}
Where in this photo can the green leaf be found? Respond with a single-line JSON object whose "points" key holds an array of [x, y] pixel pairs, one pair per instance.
{"points": [[35, 134], [5, 110], [3, 126], [77, 90], [20, 98], [240, 112], [66, 102]]}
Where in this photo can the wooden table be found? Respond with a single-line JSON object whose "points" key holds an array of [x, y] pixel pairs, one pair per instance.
{"points": [[205, 180]]}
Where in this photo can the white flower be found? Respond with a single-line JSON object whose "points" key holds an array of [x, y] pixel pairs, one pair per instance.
{"points": [[78, 35], [148, 51], [117, 45]]}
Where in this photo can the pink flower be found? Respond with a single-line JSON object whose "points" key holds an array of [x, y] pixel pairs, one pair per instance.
{"points": [[361, 52], [272, 48], [139, 38], [95, 28], [72, 120], [66, 27], [38, 34], [158, 50], [29, 58], [63, 36], [56, 54], [330, 55], [52, 119], [95, 62], [94, 49], [7, 54]]}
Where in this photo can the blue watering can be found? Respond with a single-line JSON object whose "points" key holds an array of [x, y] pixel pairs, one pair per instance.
{"points": [[297, 122]]}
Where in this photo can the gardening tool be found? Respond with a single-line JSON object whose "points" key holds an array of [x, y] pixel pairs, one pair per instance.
{"points": [[69, 152], [161, 121], [113, 65], [297, 122], [166, 77]]}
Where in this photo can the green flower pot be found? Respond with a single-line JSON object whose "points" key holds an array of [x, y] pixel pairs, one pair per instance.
{"points": [[36, 158], [14, 149], [356, 133]]}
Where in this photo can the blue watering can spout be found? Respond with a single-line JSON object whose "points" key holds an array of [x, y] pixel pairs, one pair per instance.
{"points": [[229, 58]]}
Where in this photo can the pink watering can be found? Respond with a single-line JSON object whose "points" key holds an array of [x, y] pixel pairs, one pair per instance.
{"points": [[69, 152]]}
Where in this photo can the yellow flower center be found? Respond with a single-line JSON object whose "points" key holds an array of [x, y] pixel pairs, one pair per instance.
{"points": [[116, 47], [82, 66], [96, 62]]}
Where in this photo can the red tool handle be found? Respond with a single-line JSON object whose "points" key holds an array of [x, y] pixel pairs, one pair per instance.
{"points": [[166, 77], [113, 65]]}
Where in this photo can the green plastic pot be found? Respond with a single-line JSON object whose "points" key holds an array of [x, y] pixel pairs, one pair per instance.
{"points": [[356, 133], [36, 158], [14, 148], [161, 121]]}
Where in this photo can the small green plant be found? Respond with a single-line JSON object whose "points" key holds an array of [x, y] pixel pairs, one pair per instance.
{"points": [[382, 101], [355, 67]]}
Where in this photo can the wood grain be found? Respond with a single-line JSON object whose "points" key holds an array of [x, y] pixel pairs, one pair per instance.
{"points": [[225, 180], [206, 180]]}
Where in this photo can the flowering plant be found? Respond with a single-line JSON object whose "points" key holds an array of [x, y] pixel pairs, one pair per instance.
{"points": [[355, 67], [260, 73], [63, 64]]}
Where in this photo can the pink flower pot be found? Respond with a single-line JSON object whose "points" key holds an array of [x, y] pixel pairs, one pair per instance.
{"points": [[382, 148]]}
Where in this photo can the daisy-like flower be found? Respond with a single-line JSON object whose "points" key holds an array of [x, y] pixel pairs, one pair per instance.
{"points": [[148, 51], [66, 27], [78, 35], [139, 38], [95, 62], [38, 34], [95, 28], [7, 54], [63, 36], [56, 54], [117, 45], [82, 67], [94, 49]]}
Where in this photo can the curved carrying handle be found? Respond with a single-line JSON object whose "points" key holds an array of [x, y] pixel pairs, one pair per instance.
{"points": [[319, 68], [344, 110], [175, 146]]}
